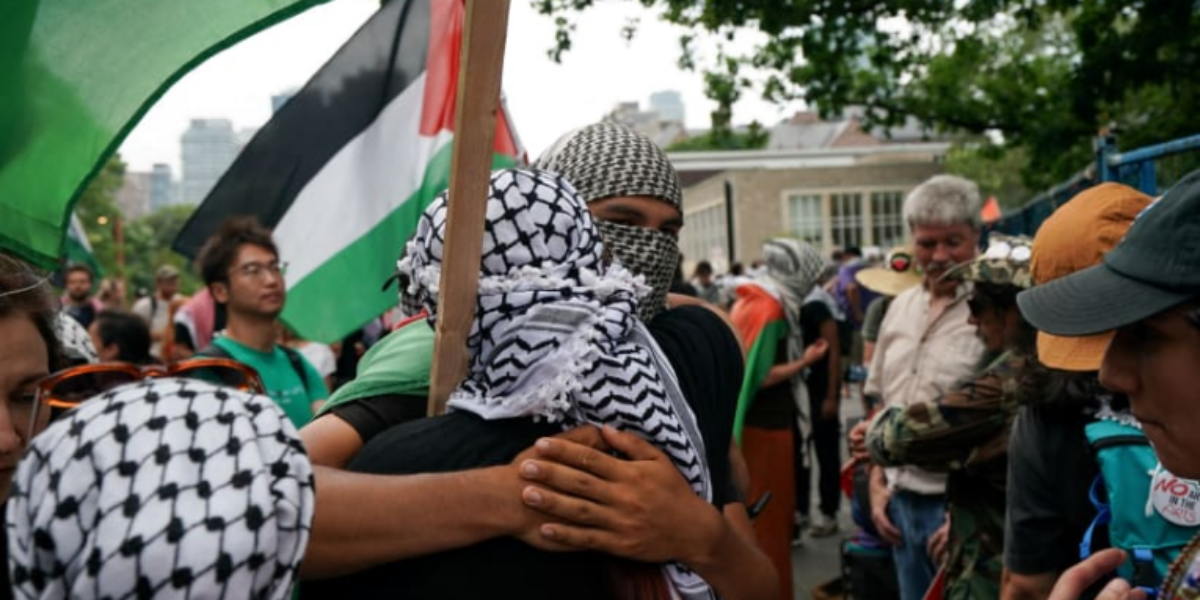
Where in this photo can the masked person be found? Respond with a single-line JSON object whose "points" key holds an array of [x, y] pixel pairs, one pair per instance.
{"points": [[627, 180], [775, 395], [556, 338]]}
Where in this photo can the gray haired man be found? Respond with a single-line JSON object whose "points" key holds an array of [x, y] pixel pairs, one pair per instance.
{"points": [[925, 345]]}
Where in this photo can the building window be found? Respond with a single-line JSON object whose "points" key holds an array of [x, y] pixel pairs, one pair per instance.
{"points": [[887, 218], [704, 237], [846, 219], [804, 215]]}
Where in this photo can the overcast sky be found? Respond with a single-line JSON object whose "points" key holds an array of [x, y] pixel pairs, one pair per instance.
{"points": [[544, 98]]}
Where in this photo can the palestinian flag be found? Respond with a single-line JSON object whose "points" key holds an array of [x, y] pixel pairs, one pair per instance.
{"points": [[79, 249], [342, 172], [760, 319], [75, 77]]}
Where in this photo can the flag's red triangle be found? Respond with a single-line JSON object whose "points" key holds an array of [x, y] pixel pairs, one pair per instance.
{"points": [[441, 77]]}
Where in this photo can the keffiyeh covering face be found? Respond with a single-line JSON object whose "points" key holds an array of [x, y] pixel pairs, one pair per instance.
{"points": [[163, 488], [792, 269], [607, 160], [555, 334]]}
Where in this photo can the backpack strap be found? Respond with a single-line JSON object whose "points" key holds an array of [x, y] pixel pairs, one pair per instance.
{"points": [[215, 350], [297, 363], [1103, 517]]}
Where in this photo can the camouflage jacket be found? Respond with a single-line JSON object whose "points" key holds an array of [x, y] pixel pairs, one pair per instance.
{"points": [[965, 433]]}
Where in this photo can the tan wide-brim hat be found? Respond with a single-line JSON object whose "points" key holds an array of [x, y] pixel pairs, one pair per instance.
{"points": [[897, 275]]}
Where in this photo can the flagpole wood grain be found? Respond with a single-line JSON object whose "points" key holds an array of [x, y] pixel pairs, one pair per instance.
{"points": [[477, 105]]}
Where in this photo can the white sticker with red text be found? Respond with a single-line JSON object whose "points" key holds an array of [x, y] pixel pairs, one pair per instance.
{"points": [[1175, 498]]}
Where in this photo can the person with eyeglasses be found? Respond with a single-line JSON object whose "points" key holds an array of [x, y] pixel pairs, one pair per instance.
{"points": [[241, 267]]}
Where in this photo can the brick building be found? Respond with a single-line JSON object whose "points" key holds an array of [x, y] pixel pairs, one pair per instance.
{"points": [[831, 196]]}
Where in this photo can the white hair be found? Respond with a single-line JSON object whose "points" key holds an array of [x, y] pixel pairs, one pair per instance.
{"points": [[944, 200]]}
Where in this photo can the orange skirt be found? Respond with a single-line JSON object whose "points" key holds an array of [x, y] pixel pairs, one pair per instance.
{"points": [[769, 458]]}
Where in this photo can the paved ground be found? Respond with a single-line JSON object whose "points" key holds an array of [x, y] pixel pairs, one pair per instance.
{"points": [[817, 561]]}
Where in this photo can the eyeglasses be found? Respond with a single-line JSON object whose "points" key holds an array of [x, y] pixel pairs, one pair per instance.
{"points": [[256, 270], [67, 389]]}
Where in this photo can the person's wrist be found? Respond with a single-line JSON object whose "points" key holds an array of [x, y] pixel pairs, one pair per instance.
{"points": [[704, 551], [501, 492]]}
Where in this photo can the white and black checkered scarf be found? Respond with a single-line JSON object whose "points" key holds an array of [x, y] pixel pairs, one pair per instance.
{"points": [[166, 488], [606, 160], [792, 269], [555, 334]]}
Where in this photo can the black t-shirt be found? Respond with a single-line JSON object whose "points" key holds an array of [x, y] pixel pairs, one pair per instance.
{"points": [[812, 316], [700, 347], [707, 361], [84, 313], [774, 407], [1050, 471]]}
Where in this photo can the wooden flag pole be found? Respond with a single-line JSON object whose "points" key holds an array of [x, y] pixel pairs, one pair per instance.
{"points": [[477, 105]]}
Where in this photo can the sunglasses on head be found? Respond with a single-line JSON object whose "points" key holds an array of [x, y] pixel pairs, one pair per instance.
{"points": [[67, 389]]}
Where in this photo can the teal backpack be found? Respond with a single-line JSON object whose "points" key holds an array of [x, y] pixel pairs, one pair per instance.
{"points": [[1146, 511]]}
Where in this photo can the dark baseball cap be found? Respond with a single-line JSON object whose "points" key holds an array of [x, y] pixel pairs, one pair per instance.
{"points": [[1156, 267]]}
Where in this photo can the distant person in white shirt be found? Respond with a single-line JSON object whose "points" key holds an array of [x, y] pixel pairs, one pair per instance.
{"points": [[155, 309], [319, 355]]}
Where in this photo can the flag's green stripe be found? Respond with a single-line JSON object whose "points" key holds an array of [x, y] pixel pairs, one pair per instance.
{"points": [[358, 271], [758, 363], [78, 109]]}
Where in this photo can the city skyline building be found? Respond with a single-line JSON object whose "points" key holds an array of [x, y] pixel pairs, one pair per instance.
{"points": [[164, 190], [669, 105], [209, 146]]}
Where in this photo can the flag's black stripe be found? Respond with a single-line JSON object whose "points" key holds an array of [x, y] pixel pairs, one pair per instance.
{"points": [[383, 58]]}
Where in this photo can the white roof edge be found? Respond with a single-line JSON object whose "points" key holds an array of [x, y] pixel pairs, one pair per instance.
{"points": [[782, 159]]}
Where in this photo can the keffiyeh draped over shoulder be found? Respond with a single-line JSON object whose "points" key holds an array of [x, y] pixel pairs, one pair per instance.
{"points": [[556, 334], [165, 488], [792, 269]]}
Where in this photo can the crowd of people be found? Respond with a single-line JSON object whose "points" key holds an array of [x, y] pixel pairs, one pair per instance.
{"points": [[622, 432]]}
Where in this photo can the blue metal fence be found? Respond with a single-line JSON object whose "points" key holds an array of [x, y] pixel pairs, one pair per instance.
{"points": [[1139, 168]]}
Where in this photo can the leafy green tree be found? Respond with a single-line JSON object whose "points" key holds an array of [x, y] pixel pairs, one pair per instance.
{"points": [[754, 137], [148, 247], [1046, 75], [98, 212], [995, 168]]}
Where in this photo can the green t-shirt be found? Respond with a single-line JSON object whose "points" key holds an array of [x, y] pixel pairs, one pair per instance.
{"points": [[283, 383]]}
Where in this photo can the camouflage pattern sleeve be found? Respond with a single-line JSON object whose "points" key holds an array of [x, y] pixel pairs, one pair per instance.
{"points": [[965, 426]]}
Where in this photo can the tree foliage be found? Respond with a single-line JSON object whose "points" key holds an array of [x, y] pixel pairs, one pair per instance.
{"points": [[1045, 74], [752, 138], [147, 240], [98, 211]]}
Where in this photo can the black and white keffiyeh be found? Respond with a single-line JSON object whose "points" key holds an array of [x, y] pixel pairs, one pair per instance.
{"points": [[606, 160], [76, 342], [555, 334], [792, 268], [164, 488]]}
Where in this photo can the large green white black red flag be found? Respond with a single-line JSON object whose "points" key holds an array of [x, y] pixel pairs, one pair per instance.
{"points": [[75, 77], [342, 172]]}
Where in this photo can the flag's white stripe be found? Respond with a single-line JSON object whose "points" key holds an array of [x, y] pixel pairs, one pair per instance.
{"points": [[361, 185], [76, 231]]}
